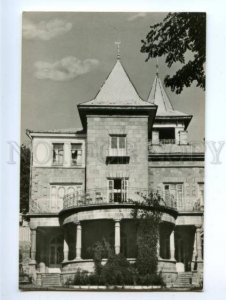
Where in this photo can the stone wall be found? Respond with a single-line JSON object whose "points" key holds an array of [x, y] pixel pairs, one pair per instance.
{"points": [[41, 180], [98, 142], [187, 172]]}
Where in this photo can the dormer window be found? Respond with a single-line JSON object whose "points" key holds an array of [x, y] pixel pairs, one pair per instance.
{"points": [[167, 135]]}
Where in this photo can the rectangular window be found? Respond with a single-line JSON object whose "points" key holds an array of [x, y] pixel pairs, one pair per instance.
{"points": [[58, 154], [117, 145], [117, 190], [76, 154], [167, 135], [118, 142], [174, 191]]}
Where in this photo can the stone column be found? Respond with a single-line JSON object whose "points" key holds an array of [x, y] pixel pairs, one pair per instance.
{"points": [[172, 246], [66, 250], [78, 241], [158, 246], [194, 254], [199, 243], [33, 245], [117, 236]]}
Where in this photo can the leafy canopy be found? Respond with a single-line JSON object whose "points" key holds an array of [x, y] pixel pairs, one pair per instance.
{"points": [[172, 38]]}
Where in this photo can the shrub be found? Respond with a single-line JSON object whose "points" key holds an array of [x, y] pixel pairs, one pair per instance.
{"points": [[118, 271], [81, 278]]}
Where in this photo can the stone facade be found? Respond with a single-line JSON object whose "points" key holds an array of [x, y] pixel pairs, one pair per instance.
{"points": [[43, 178], [98, 135]]}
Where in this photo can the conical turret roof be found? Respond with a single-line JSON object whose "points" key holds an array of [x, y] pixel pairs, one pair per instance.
{"points": [[117, 90], [159, 97]]}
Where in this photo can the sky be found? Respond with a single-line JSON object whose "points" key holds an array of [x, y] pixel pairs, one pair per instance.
{"points": [[66, 57]]}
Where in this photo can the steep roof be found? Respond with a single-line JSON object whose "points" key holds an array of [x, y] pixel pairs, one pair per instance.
{"points": [[159, 97], [117, 90]]}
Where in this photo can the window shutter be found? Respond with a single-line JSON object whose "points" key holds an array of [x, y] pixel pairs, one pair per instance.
{"points": [[179, 195], [111, 190]]}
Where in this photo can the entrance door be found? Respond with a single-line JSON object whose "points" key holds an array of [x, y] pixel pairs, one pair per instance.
{"points": [[55, 252]]}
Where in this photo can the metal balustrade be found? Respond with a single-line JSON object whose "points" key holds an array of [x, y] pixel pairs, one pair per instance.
{"points": [[167, 141], [102, 197]]}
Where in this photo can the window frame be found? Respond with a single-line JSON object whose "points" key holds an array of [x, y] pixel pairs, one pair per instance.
{"points": [[123, 190], [57, 162], [176, 191], [81, 156], [118, 136]]}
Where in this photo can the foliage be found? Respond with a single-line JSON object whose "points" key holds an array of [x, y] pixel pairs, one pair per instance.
{"points": [[148, 216], [118, 271], [24, 178], [172, 38], [101, 249]]}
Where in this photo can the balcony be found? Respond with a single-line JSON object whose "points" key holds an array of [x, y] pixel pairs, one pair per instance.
{"points": [[117, 155], [169, 150], [101, 197]]}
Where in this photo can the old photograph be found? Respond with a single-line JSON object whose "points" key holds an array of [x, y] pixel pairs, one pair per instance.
{"points": [[112, 151]]}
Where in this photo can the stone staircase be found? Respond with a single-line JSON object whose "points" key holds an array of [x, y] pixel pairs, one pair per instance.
{"points": [[51, 280], [184, 280]]}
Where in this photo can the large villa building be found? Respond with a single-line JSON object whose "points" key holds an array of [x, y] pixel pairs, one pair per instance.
{"points": [[83, 184]]}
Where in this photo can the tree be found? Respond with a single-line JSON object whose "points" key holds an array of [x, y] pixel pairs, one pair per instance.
{"points": [[24, 178], [148, 216], [172, 38]]}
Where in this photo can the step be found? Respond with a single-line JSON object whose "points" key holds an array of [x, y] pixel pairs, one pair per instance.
{"points": [[184, 280], [51, 279]]}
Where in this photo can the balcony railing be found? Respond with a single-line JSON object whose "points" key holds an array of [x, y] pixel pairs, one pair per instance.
{"points": [[167, 141], [117, 152], [104, 197]]}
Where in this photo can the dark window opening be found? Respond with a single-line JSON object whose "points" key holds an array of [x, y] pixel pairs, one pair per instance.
{"points": [[117, 189], [167, 135]]}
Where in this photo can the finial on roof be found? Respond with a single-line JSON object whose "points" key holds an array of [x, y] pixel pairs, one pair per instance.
{"points": [[118, 49], [157, 66]]}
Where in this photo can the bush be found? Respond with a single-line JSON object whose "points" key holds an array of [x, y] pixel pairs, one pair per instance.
{"points": [[118, 271], [81, 278]]}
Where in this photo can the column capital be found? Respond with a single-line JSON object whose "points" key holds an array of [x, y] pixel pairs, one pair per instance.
{"points": [[198, 227], [117, 220], [33, 226], [77, 223]]}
